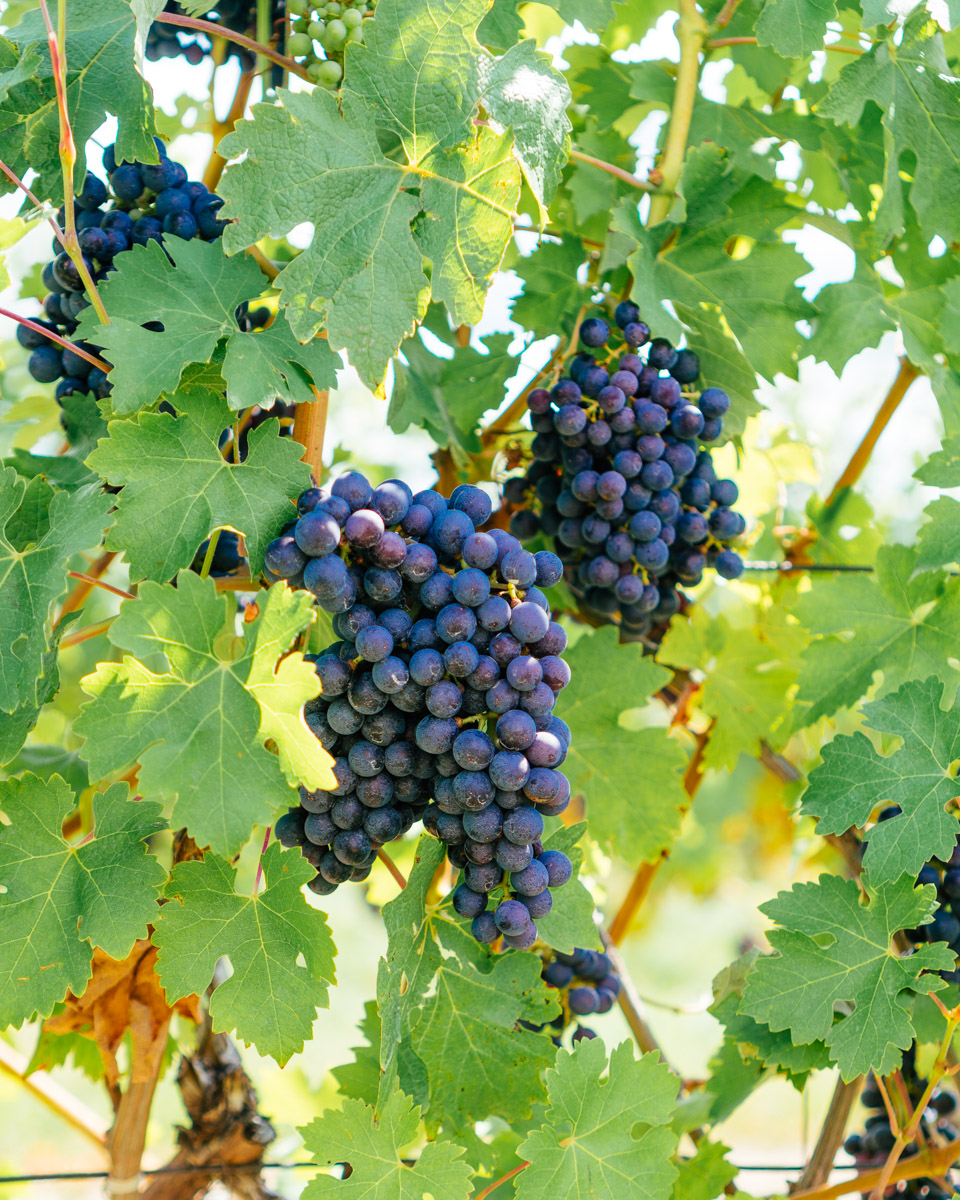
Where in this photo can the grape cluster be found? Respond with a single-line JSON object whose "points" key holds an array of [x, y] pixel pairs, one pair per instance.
{"points": [[437, 704], [329, 26], [170, 41], [588, 983], [620, 479], [144, 202], [870, 1148]]}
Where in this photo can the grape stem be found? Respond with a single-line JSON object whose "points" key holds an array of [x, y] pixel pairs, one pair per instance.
{"points": [[15, 179], [394, 871], [691, 30], [717, 43], [55, 337], [861, 456], [107, 587], [86, 633], [68, 153], [211, 551], [241, 39], [83, 589], [642, 185], [487, 1191], [263, 850]]}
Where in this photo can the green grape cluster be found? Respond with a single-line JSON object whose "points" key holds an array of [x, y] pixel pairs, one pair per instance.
{"points": [[331, 27]]}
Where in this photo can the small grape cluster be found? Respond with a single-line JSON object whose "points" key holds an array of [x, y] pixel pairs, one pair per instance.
{"points": [[588, 984], [621, 480], [171, 41], [871, 1148], [437, 704], [331, 26], [145, 202]]}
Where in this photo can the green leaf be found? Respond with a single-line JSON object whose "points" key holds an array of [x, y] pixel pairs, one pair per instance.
{"points": [[478, 1062], [448, 396], [198, 728], [101, 80], [854, 780], [753, 139], [195, 298], [178, 487], [851, 318], [39, 531], [722, 363], [706, 1175], [904, 624], [373, 1143], [501, 27], [552, 294], [60, 900], [271, 998], [632, 781], [939, 538], [913, 85], [523, 92], [756, 293], [942, 468], [748, 679], [832, 948], [570, 923], [795, 28], [586, 1149], [60, 470], [360, 1080], [417, 79]]}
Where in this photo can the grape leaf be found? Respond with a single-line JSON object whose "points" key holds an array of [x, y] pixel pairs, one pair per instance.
{"points": [[706, 1175], [448, 396], [753, 139], [478, 1062], [552, 294], [195, 298], [919, 306], [832, 948], [692, 264], [903, 623], [60, 470], [272, 996], [570, 923], [373, 1143], [938, 542], [198, 728], [416, 79], [722, 363], [177, 486], [101, 79], [942, 468], [913, 85], [523, 92], [795, 28], [586, 1149], [15, 726], [39, 531], [851, 318], [59, 900], [748, 679], [632, 781], [501, 27], [853, 780]]}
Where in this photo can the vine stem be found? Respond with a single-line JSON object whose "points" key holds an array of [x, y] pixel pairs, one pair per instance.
{"points": [[231, 35], [55, 337], [94, 582], [630, 1003], [85, 586], [394, 871], [717, 43], [503, 1179], [85, 634], [309, 426], [861, 456], [128, 1136], [642, 185], [691, 34], [18, 182], [211, 551], [830, 1139], [68, 152], [214, 168]]}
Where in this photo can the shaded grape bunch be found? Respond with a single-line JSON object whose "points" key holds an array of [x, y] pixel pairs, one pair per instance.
{"points": [[620, 478], [588, 984], [871, 1147], [171, 41], [437, 704], [144, 202]]}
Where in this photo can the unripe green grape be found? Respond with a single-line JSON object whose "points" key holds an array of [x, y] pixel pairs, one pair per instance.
{"points": [[297, 8], [356, 35], [334, 8], [299, 44], [316, 30], [336, 34], [314, 69], [330, 74], [352, 18], [301, 25]]}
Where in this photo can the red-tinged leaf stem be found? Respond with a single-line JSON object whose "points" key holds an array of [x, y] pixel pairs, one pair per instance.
{"points": [[94, 582], [68, 153], [37, 203], [392, 868], [221, 31], [55, 337]]}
